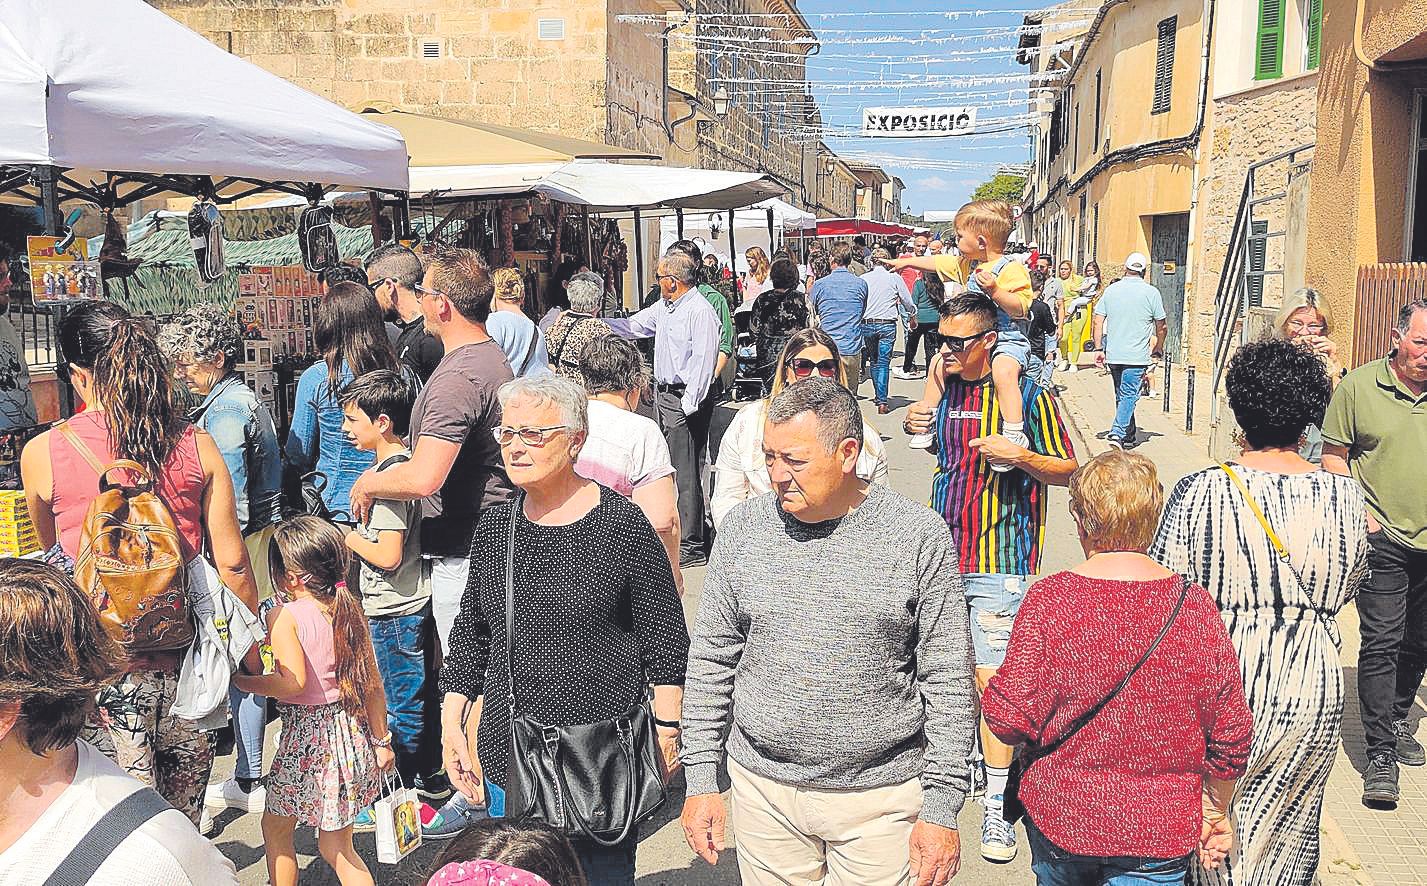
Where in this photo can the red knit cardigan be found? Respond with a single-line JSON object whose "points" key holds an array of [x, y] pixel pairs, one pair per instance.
{"points": [[1129, 783]]}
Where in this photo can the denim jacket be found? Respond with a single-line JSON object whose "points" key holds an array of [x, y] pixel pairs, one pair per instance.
{"points": [[244, 431], [316, 441]]}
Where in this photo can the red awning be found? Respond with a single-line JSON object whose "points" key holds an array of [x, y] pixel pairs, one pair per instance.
{"points": [[851, 227]]}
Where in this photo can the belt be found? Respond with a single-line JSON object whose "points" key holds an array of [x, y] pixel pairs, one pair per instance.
{"points": [[870, 320], [673, 388]]}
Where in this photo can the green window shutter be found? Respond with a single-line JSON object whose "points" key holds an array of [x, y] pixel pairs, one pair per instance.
{"points": [[1268, 51], [1315, 32]]}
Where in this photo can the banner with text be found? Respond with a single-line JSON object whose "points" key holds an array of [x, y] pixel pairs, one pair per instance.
{"points": [[917, 122]]}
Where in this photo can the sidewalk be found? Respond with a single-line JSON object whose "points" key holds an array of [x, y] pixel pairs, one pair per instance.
{"points": [[1360, 845]]}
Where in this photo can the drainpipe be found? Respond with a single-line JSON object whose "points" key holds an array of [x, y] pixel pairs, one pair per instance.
{"points": [[1204, 60], [664, 97]]}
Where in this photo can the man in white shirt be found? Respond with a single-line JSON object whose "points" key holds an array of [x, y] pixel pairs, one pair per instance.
{"points": [[54, 789], [887, 298]]}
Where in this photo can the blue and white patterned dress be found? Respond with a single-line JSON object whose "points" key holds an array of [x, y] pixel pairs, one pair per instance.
{"points": [[1286, 634]]}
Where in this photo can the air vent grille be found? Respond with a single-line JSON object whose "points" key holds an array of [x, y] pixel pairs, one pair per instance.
{"points": [[551, 28]]}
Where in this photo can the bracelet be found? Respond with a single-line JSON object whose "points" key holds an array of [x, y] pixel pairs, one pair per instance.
{"points": [[669, 724], [383, 742]]}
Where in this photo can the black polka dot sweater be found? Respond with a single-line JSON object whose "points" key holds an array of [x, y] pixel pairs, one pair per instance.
{"points": [[595, 608]]}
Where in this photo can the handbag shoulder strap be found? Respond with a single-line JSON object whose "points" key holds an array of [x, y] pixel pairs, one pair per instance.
{"points": [[111, 830], [1085, 718], [1273, 538], [517, 505]]}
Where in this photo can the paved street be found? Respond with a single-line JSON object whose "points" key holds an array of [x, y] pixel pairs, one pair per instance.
{"points": [[1392, 846]]}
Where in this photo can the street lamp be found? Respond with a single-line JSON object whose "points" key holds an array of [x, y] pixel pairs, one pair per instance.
{"points": [[720, 101]]}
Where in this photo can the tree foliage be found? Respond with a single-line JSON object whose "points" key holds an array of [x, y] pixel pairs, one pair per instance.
{"points": [[1004, 186]]}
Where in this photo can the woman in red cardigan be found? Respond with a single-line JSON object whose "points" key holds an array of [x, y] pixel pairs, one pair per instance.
{"points": [[1146, 783]]}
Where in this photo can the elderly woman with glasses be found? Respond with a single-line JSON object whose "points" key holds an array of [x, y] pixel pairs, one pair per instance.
{"points": [[741, 473], [597, 619], [1304, 319]]}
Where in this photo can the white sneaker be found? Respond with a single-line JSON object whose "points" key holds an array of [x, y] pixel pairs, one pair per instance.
{"points": [[921, 441], [228, 795], [205, 822], [1072, 368], [899, 372]]}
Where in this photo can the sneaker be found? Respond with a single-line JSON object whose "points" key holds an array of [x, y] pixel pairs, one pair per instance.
{"points": [[1380, 780], [921, 441], [435, 787], [205, 821], [1115, 442], [227, 795], [1409, 749], [1072, 368], [998, 837], [453, 818], [365, 821], [899, 372]]}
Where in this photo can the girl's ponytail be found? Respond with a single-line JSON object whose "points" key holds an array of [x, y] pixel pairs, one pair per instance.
{"points": [[315, 549]]}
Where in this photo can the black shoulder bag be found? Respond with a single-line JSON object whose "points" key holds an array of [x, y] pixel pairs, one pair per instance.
{"points": [[1012, 810], [597, 781], [108, 833]]}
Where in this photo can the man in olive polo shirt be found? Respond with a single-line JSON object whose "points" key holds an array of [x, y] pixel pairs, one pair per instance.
{"points": [[1376, 432]]}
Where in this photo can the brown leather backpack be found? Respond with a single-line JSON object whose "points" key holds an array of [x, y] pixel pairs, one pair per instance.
{"points": [[131, 560]]}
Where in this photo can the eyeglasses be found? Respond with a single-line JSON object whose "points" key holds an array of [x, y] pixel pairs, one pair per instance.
{"points": [[423, 291], [802, 367], [1301, 326], [958, 343], [529, 436]]}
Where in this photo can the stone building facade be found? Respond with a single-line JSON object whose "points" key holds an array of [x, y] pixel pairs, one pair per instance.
{"points": [[634, 73]]}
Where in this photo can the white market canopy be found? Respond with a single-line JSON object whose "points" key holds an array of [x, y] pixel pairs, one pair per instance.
{"points": [[97, 87]]}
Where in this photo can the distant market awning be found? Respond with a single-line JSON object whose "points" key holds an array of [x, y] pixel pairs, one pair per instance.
{"points": [[851, 227], [614, 187], [448, 142], [126, 102]]}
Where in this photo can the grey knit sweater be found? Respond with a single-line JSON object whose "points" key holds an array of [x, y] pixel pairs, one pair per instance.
{"points": [[840, 653]]}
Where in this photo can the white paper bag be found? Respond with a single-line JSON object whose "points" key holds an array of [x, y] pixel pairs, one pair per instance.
{"points": [[398, 816]]}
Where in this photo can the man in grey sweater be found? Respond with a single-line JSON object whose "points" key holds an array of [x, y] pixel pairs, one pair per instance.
{"points": [[833, 648]]}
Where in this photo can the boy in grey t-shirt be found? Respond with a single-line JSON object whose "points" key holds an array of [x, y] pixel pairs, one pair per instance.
{"points": [[376, 413]]}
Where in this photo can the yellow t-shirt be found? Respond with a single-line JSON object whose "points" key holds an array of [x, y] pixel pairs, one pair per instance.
{"points": [[1014, 278]]}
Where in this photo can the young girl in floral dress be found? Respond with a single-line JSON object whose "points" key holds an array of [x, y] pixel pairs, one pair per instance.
{"points": [[324, 678]]}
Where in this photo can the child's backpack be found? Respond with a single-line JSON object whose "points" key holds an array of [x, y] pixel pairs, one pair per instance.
{"points": [[131, 560]]}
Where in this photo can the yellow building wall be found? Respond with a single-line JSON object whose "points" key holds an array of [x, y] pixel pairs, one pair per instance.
{"points": [[1357, 204], [1128, 198]]}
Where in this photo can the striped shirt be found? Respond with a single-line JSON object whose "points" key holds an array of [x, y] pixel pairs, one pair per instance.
{"points": [[997, 520]]}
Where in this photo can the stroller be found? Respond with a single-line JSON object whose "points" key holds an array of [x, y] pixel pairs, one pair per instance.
{"points": [[747, 381]]}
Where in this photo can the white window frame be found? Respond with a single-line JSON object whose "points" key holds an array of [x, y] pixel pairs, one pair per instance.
{"points": [[1419, 108]]}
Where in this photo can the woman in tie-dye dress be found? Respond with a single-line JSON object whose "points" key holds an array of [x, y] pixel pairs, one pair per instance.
{"points": [[1280, 611]]}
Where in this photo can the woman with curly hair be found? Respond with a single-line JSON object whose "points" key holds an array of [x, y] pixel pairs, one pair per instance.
{"points": [[1282, 547]]}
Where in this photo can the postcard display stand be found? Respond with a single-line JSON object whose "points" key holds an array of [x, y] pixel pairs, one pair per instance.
{"points": [[275, 308]]}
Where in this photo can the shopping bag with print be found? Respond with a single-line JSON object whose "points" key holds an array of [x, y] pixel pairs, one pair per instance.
{"points": [[398, 819]]}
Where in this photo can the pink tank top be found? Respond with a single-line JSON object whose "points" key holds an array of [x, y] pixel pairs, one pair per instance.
{"points": [[314, 632], [76, 483]]}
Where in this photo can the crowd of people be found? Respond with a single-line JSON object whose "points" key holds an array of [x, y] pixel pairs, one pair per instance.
{"points": [[467, 563]]}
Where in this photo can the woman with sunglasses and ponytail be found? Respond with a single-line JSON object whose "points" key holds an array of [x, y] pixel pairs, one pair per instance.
{"points": [[115, 366], [741, 473], [329, 694]]}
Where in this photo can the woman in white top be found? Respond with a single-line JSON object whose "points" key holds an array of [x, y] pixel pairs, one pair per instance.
{"points": [[741, 473], [755, 279]]}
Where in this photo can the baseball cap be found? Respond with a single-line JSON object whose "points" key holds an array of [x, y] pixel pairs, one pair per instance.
{"points": [[1136, 262]]}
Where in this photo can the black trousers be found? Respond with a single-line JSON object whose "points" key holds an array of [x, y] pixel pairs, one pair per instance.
{"points": [[930, 339], [688, 439], [1392, 607]]}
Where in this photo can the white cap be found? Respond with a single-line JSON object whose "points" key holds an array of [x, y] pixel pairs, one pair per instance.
{"points": [[1136, 262]]}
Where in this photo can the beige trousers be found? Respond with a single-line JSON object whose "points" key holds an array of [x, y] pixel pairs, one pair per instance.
{"points": [[790, 836], [853, 367]]}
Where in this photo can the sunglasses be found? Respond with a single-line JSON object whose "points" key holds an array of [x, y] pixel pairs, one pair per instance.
{"points": [[422, 291], [958, 343], [802, 368]]}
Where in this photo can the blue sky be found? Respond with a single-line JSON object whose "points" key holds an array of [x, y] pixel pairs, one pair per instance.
{"points": [[936, 46]]}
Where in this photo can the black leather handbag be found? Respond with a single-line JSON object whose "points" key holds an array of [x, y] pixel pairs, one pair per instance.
{"points": [[598, 780], [1012, 810]]}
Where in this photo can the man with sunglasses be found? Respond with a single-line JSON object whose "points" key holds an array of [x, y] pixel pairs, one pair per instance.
{"points": [[997, 519], [17, 404], [393, 273]]}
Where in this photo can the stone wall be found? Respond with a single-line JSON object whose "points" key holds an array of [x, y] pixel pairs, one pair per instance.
{"points": [[1244, 128], [491, 64]]}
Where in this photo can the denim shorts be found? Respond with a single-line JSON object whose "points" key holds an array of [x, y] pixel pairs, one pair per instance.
{"points": [[1010, 340], [994, 599]]}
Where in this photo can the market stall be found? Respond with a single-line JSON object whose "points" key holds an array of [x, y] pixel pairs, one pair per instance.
{"points": [[765, 224]]}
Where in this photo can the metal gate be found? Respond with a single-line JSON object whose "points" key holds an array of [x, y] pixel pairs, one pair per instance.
{"points": [[1169, 252]]}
